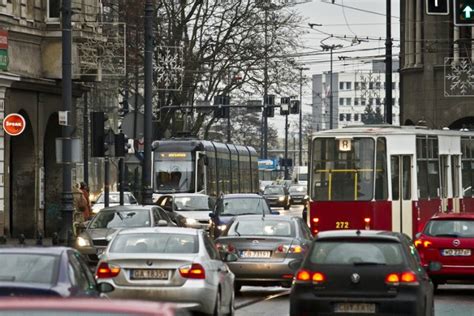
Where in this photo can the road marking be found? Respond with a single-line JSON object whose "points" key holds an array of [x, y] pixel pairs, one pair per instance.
{"points": [[266, 298]]}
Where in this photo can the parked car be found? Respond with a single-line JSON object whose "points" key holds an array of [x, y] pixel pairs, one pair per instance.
{"points": [[230, 205], [179, 265], [192, 209], [366, 272], [47, 272], [86, 307], [93, 241], [298, 194], [264, 245], [277, 195], [447, 240], [114, 200]]}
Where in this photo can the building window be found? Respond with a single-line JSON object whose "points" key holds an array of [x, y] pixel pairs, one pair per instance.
{"points": [[341, 117], [377, 101], [377, 85], [371, 85], [348, 101], [362, 101], [393, 101], [363, 85], [356, 101], [357, 85], [356, 117], [371, 101], [341, 101], [394, 84], [54, 9], [348, 117], [348, 85], [341, 85]]}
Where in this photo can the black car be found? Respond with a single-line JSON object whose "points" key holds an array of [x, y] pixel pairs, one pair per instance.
{"points": [[277, 195], [47, 272], [298, 194], [365, 272]]}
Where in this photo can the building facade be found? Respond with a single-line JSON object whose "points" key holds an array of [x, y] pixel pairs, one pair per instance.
{"points": [[435, 66], [353, 93]]}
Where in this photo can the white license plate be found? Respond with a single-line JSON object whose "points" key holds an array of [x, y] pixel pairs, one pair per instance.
{"points": [[354, 308], [456, 252], [149, 274], [256, 254]]}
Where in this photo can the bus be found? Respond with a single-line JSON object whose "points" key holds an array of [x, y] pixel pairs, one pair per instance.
{"points": [[199, 166], [388, 178]]}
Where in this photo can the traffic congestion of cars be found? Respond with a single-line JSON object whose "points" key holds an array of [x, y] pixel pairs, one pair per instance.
{"points": [[190, 253]]}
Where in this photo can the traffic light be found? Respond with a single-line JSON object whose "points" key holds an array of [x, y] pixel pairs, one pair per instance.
{"points": [[268, 105], [98, 134], [121, 145], [221, 106], [464, 12], [437, 7], [294, 107], [285, 106]]}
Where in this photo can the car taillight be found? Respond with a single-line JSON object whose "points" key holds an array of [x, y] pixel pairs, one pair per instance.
{"points": [[315, 225], [367, 223], [289, 249], [193, 271], [407, 277], [304, 275], [425, 243], [106, 271]]}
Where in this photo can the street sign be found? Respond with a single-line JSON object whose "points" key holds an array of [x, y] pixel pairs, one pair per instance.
{"points": [[437, 7], [63, 118], [14, 124], [464, 12]]}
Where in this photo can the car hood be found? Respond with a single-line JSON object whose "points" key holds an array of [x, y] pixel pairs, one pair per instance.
{"points": [[197, 215]]}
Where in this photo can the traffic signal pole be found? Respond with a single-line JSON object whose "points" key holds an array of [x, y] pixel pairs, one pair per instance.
{"points": [[286, 147]]}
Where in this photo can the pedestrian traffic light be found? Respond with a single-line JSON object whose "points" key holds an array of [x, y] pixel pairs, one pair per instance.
{"points": [[437, 7], [285, 106], [268, 105], [121, 145], [464, 12], [98, 134], [295, 107]]}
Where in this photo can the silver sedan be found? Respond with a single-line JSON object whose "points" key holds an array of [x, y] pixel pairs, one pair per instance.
{"points": [[179, 265]]}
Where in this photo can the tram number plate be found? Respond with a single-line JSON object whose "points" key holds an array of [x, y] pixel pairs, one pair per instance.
{"points": [[354, 308], [342, 225], [149, 274], [456, 252]]}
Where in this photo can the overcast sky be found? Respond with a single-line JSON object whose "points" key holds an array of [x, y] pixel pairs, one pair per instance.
{"points": [[341, 20]]}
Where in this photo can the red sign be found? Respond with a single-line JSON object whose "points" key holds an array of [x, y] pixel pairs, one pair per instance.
{"points": [[3, 39], [14, 124]]}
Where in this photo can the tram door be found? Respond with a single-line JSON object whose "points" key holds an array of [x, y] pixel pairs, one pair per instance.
{"points": [[401, 176]]}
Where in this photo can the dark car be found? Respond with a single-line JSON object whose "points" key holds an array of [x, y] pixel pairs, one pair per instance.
{"points": [[366, 272], [46, 272], [298, 194], [264, 245], [277, 195], [93, 241], [230, 205], [448, 240]]}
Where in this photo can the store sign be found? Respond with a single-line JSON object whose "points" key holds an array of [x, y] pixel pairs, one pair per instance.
{"points": [[3, 50], [14, 124]]}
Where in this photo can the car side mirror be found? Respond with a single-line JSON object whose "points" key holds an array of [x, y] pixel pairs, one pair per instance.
{"points": [[162, 223], [434, 266], [230, 257], [105, 287], [295, 264]]}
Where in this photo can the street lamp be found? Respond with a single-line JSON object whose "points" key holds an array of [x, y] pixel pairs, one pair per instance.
{"points": [[331, 108]]}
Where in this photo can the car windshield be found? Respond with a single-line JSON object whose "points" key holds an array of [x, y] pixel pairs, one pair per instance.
{"points": [[298, 189], [356, 253], [241, 206], [192, 203], [125, 218], [274, 190], [28, 268], [458, 228], [154, 243], [115, 198], [263, 227]]}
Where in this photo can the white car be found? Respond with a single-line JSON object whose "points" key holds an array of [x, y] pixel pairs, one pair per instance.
{"points": [[114, 200]]}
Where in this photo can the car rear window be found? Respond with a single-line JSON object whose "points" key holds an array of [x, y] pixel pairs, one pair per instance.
{"points": [[450, 228], [128, 218], [28, 268], [154, 243], [263, 227], [349, 252]]}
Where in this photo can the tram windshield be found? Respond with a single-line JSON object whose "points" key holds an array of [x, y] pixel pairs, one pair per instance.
{"points": [[173, 173], [343, 169]]}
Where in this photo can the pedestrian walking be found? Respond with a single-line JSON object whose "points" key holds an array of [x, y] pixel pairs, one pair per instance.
{"points": [[80, 206], [86, 193]]}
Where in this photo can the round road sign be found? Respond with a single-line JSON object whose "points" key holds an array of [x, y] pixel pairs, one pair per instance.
{"points": [[14, 124]]}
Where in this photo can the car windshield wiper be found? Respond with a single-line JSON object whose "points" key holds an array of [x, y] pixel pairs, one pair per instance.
{"points": [[369, 263], [447, 235]]}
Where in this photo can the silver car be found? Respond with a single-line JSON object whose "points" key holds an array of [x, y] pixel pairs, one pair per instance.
{"points": [[265, 245], [179, 265], [93, 241]]}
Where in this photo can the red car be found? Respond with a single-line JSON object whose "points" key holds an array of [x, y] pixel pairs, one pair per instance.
{"points": [[82, 306], [446, 247]]}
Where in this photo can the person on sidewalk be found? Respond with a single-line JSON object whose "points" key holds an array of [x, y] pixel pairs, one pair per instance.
{"points": [[80, 207], [85, 192]]}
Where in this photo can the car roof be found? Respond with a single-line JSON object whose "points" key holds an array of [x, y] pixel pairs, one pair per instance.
{"points": [[88, 304], [241, 195], [441, 216], [34, 250], [186, 194], [129, 208], [151, 230], [286, 218], [375, 234]]}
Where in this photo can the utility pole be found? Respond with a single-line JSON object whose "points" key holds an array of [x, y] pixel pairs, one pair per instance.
{"points": [[301, 116], [67, 130], [147, 194], [265, 90], [330, 48], [286, 147], [85, 125], [388, 66]]}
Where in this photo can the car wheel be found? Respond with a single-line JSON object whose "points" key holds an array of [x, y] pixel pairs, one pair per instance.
{"points": [[217, 307]]}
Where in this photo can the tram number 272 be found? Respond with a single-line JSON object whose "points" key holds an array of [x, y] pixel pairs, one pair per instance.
{"points": [[342, 225]]}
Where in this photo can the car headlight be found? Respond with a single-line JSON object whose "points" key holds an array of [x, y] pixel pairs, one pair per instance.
{"points": [[306, 197], [281, 198], [83, 242], [222, 227], [190, 221]]}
